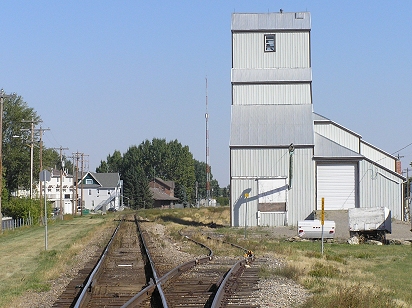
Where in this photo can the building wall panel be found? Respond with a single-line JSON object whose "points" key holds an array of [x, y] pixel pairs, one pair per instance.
{"points": [[271, 75], [379, 188], [259, 22], [268, 94], [292, 50], [247, 165], [378, 156], [338, 135], [272, 219], [243, 210]]}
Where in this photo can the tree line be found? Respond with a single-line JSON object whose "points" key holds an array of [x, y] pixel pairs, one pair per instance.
{"points": [[169, 161], [19, 134]]}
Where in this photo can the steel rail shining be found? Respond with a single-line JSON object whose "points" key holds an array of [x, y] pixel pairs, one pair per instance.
{"points": [[145, 293], [80, 300]]}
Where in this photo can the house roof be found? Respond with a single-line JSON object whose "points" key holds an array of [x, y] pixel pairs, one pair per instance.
{"points": [[160, 195], [170, 184], [104, 180], [271, 125]]}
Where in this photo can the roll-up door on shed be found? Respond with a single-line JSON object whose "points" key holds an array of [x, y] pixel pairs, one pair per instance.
{"points": [[336, 183]]}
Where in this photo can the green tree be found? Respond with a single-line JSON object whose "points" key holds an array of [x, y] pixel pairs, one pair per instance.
{"points": [[25, 208], [16, 151], [50, 160], [200, 174], [113, 163], [169, 161], [135, 182]]}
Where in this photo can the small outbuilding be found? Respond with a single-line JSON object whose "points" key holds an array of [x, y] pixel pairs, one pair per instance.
{"points": [[163, 193]]}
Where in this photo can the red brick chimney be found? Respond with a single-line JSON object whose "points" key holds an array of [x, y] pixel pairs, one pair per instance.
{"points": [[398, 166]]}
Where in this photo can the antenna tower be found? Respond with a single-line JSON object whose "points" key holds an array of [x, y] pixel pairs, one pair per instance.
{"points": [[207, 154]]}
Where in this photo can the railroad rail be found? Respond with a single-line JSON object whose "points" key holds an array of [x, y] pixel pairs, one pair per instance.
{"points": [[135, 271]]}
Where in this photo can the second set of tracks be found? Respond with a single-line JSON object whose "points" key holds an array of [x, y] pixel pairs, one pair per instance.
{"points": [[136, 269]]}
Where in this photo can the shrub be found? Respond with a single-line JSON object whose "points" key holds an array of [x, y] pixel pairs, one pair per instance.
{"points": [[25, 208]]}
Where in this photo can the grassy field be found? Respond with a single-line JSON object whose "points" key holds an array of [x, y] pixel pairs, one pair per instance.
{"points": [[26, 265], [344, 276]]}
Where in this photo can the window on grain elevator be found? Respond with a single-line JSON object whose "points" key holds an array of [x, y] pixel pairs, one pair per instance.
{"points": [[270, 45]]}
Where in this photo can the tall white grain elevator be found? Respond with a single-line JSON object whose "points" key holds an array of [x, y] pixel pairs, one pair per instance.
{"points": [[284, 157], [271, 138]]}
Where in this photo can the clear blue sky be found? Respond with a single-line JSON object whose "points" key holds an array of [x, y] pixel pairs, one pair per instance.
{"points": [[106, 75]]}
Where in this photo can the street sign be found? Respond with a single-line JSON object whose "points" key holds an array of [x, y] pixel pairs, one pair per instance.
{"points": [[44, 175]]}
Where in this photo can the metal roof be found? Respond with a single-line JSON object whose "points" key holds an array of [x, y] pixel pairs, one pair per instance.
{"points": [[328, 149], [271, 125], [318, 119], [271, 21]]}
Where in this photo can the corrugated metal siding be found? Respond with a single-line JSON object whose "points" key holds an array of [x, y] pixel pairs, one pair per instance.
{"points": [[326, 148], [271, 75], [269, 94], [292, 51], [379, 188], [285, 21], [264, 163], [249, 164], [239, 203], [268, 125], [378, 156], [338, 135], [272, 219], [337, 184]]}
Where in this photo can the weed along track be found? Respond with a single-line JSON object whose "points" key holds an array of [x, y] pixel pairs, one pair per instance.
{"points": [[141, 267]]}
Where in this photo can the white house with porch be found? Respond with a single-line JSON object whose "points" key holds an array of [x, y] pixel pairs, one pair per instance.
{"points": [[100, 191]]}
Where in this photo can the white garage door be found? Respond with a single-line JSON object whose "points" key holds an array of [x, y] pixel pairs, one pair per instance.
{"points": [[336, 183]]}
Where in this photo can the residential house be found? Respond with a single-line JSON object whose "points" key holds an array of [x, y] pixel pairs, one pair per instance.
{"points": [[100, 191]]}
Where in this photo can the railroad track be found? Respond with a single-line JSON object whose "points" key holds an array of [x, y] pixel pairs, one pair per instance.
{"points": [[138, 270], [118, 274]]}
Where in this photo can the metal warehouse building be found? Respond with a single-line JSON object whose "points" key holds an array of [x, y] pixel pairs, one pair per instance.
{"points": [[284, 157]]}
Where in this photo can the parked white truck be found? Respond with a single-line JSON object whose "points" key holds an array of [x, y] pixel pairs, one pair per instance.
{"points": [[370, 223]]}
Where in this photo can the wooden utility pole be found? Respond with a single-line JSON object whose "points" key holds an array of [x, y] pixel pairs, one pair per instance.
{"points": [[74, 185], [1, 156], [61, 180], [81, 192], [31, 152], [78, 156], [41, 131], [2, 96]]}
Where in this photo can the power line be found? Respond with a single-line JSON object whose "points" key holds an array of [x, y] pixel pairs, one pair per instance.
{"points": [[402, 149]]}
